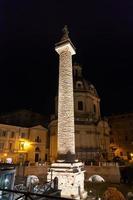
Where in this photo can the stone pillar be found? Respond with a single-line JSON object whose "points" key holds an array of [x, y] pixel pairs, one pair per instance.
{"points": [[68, 171], [66, 133]]}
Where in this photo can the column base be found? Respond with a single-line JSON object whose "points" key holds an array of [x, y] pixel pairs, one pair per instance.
{"points": [[67, 158], [70, 179]]}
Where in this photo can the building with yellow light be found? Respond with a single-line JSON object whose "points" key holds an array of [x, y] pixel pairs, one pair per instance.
{"points": [[91, 132], [19, 144], [121, 135]]}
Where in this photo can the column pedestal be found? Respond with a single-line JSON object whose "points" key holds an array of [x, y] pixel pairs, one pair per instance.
{"points": [[70, 179]]}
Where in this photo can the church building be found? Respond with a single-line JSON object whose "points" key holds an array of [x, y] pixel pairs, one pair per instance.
{"points": [[91, 131]]}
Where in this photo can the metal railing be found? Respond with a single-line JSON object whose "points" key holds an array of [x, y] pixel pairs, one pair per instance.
{"points": [[21, 195]]}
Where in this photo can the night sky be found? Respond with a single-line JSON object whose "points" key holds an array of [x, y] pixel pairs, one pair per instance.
{"points": [[102, 32]]}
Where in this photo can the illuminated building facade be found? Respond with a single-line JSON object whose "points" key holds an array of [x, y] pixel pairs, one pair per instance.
{"points": [[121, 135], [91, 132], [20, 144]]}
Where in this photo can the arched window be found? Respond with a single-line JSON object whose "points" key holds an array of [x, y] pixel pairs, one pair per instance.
{"points": [[79, 84], [80, 105], [37, 149]]}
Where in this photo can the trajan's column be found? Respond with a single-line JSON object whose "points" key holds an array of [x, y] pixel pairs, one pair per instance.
{"points": [[68, 170], [66, 139]]}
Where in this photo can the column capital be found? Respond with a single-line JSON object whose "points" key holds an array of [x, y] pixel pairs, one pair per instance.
{"points": [[65, 43]]}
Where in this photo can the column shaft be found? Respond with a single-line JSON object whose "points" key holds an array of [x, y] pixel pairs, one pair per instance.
{"points": [[66, 137]]}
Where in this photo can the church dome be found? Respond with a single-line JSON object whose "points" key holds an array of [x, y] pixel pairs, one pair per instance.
{"points": [[80, 84]]}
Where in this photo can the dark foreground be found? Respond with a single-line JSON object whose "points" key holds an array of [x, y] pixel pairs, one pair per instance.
{"points": [[99, 188]]}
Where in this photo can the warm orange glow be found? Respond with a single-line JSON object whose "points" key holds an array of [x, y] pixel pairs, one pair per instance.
{"points": [[131, 155], [26, 145], [5, 154]]}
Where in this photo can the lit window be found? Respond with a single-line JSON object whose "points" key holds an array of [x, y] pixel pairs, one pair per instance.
{"points": [[80, 105]]}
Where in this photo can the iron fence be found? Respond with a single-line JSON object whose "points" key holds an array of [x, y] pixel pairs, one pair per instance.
{"points": [[6, 194]]}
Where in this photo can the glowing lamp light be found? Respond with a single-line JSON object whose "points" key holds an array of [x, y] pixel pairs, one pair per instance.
{"points": [[5, 154], [26, 145], [131, 154]]}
